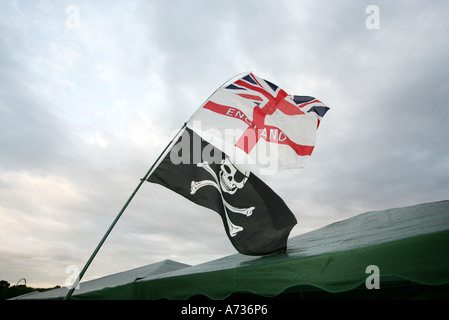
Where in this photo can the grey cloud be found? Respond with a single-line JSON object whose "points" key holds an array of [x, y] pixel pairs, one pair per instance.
{"points": [[32, 136]]}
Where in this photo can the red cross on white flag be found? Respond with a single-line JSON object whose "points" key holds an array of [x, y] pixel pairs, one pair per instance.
{"points": [[262, 120]]}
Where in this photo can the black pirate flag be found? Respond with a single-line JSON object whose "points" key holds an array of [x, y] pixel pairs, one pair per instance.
{"points": [[256, 219]]}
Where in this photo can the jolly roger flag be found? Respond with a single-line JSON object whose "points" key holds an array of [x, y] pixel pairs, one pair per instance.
{"points": [[255, 218]]}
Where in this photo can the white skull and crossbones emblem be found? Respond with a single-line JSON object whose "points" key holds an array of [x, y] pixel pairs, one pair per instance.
{"points": [[229, 180]]}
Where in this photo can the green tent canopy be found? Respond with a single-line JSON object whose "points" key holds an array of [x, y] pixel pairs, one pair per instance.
{"points": [[114, 280], [402, 247]]}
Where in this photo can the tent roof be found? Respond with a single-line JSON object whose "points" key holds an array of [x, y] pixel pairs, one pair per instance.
{"points": [[113, 280], [410, 243]]}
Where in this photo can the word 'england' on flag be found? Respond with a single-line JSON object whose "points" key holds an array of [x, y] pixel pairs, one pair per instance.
{"points": [[255, 119], [255, 218]]}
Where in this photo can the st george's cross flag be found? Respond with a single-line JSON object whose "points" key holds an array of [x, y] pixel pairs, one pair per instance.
{"points": [[255, 218], [255, 118]]}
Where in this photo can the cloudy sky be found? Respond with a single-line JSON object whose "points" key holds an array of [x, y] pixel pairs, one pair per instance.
{"points": [[91, 92]]}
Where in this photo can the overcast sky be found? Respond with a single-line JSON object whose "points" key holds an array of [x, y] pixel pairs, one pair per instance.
{"points": [[91, 92]]}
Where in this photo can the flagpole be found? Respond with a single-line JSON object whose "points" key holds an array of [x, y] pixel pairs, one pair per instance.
{"points": [[147, 175]]}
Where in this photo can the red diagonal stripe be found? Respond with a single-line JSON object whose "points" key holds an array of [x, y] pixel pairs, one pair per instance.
{"points": [[250, 96]]}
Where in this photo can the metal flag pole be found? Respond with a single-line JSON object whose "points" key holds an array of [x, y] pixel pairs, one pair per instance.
{"points": [[147, 175]]}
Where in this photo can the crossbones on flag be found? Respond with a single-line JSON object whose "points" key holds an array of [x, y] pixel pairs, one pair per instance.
{"points": [[242, 118], [256, 219]]}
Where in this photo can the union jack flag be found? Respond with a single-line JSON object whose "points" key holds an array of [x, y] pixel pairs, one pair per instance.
{"points": [[264, 113]]}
